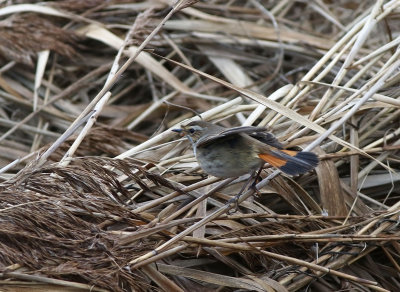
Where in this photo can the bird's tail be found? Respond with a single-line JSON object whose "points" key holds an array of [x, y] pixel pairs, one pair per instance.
{"points": [[291, 162]]}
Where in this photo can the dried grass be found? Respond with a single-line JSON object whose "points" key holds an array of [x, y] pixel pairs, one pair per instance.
{"points": [[98, 194]]}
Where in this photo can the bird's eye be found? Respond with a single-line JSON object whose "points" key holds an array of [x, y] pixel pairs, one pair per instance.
{"points": [[191, 130]]}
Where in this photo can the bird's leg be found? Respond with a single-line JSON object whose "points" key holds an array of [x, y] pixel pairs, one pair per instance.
{"points": [[247, 183], [254, 184]]}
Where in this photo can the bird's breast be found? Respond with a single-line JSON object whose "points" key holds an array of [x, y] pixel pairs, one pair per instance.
{"points": [[228, 157]]}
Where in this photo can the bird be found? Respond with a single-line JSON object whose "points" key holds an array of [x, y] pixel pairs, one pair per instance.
{"points": [[232, 152]]}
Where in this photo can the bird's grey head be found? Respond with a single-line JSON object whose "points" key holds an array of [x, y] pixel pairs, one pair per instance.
{"points": [[194, 130]]}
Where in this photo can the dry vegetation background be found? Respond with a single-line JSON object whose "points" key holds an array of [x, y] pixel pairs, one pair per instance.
{"points": [[97, 193]]}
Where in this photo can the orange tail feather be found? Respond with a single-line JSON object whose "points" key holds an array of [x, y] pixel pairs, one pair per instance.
{"points": [[291, 162], [273, 160]]}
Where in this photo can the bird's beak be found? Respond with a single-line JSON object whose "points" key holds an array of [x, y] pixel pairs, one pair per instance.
{"points": [[179, 131]]}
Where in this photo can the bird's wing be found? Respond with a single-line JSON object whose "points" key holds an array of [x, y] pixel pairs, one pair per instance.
{"points": [[258, 133]]}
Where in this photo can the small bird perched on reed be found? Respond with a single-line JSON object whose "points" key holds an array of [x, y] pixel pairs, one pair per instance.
{"points": [[231, 152]]}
